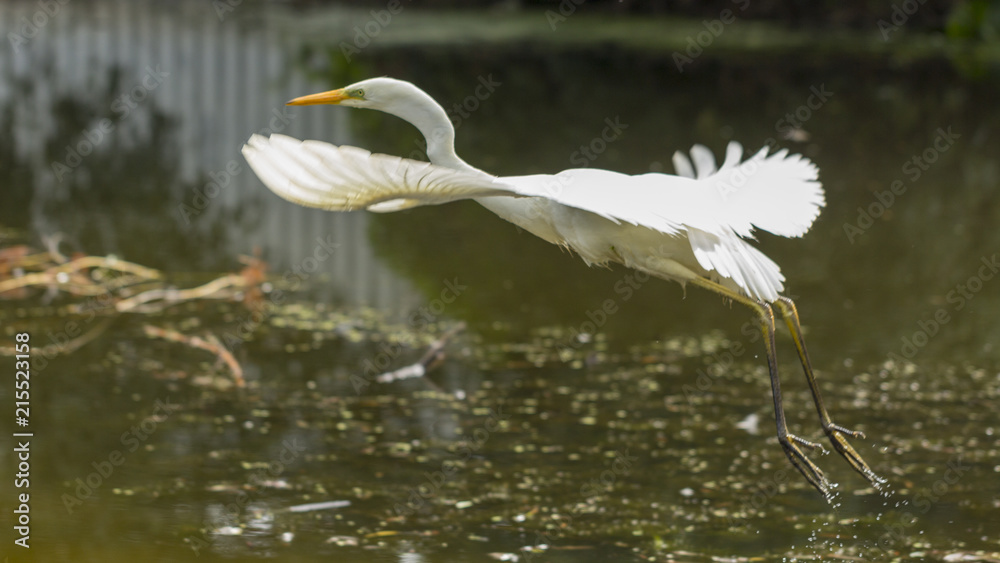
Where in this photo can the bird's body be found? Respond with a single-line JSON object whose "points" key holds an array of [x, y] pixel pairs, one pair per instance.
{"points": [[690, 228], [697, 246]]}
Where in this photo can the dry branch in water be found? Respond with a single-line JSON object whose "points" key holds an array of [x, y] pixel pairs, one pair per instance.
{"points": [[226, 287], [210, 344], [122, 287], [69, 277]]}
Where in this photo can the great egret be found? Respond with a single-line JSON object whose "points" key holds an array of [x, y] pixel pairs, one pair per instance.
{"points": [[685, 228]]}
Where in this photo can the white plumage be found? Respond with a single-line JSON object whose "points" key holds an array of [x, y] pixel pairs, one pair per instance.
{"points": [[325, 176], [692, 227], [711, 210]]}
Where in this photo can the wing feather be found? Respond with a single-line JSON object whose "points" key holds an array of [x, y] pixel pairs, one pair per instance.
{"points": [[777, 193], [704, 161], [713, 206], [734, 258], [325, 176], [682, 165]]}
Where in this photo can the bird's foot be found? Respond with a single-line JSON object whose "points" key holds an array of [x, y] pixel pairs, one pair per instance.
{"points": [[836, 434], [806, 467], [842, 430], [806, 443]]}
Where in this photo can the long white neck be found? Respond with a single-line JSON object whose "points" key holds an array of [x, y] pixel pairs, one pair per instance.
{"points": [[430, 118]]}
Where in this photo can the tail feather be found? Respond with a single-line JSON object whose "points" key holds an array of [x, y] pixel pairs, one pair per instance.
{"points": [[734, 258]]}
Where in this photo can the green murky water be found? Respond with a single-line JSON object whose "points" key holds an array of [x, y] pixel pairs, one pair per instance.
{"points": [[582, 414]]}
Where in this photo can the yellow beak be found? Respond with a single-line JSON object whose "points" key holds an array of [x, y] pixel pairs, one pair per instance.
{"points": [[331, 97]]}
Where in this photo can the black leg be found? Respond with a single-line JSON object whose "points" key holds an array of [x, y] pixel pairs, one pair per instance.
{"points": [[789, 442], [834, 432]]}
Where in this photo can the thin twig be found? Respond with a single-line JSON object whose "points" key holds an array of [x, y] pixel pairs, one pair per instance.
{"points": [[109, 263], [50, 276], [51, 243], [53, 350], [209, 344], [210, 290]]}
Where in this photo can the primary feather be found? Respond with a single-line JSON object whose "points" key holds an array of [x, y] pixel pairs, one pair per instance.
{"points": [[325, 176]]}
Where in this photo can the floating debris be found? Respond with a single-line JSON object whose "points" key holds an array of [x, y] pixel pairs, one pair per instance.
{"points": [[311, 507], [343, 541]]}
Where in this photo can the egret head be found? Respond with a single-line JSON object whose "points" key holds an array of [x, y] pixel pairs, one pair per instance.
{"points": [[404, 100], [384, 94]]}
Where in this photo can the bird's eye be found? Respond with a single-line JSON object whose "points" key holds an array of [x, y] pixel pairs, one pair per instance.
{"points": [[359, 93]]}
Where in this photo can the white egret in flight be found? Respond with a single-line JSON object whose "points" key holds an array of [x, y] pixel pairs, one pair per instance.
{"points": [[689, 228]]}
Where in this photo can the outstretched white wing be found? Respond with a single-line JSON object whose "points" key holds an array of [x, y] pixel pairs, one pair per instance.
{"points": [[777, 193], [713, 207], [325, 176]]}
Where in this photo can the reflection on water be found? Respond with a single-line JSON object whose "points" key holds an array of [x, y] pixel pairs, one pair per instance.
{"points": [[590, 436], [124, 121]]}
